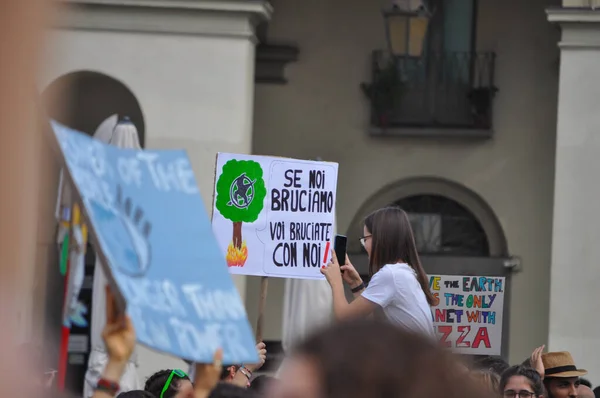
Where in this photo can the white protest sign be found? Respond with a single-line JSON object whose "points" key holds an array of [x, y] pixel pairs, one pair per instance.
{"points": [[274, 216], [468, 318]]}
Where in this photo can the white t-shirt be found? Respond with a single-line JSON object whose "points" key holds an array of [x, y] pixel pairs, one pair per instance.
{"points": [[397, 291]]}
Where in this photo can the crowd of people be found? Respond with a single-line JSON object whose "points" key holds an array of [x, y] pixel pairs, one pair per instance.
{"points": [[382, 344]]}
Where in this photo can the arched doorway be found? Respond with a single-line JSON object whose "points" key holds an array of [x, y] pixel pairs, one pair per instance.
{"points": [[87, 98], [81, 100], [458, 237]]}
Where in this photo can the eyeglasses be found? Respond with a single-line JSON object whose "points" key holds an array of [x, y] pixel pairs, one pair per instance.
{"points": [[175, 372], [363, 240], [520, 394]]}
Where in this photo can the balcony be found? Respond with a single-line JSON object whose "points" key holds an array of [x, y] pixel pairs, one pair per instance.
{"points": [[449, 94]]}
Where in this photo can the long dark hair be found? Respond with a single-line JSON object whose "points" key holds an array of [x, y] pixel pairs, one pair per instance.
{"points": [[534, 378], [392, 241]]}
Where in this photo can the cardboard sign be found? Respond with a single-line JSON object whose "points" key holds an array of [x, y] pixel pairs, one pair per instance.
{"points": [[274, 216], [148, 223], [468, 318]]}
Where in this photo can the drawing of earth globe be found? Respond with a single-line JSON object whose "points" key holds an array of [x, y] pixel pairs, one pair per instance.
{"points": [[126, 244]]}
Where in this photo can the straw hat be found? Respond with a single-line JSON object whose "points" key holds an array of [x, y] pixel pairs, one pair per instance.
{"points": [[561, 364]]}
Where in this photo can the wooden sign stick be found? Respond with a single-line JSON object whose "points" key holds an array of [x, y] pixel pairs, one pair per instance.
{"points": [[264, 284]]}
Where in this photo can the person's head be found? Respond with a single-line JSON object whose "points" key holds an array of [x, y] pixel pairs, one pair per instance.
{"points": [[561, 374], [228, 372], [585, 382], [521, 382], [364, 359], [597, 392], [488, 380], [584, 391], [261, 384], [388, 239], [136, 394], [492, 364], [170, 383], [227, 390]]}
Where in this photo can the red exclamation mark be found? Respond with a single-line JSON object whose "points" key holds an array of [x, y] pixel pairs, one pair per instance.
{"points": [[326, 252]]}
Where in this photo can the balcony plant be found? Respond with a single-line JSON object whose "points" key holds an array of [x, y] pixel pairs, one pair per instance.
{"points": [[385, 91]]}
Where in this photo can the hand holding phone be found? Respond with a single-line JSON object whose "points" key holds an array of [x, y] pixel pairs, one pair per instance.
{"points": [[339, 245]]}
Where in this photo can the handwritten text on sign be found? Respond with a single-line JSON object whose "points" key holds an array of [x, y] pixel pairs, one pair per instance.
{"points": [[281, 213], [468, 318], [148, 219]]}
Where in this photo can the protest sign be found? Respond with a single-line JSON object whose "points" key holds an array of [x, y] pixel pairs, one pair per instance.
{"points": [[468, 318], [148, 223], [274, 216]]}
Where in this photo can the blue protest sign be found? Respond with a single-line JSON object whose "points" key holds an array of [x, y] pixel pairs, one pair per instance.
{"points": [[148, 220]]}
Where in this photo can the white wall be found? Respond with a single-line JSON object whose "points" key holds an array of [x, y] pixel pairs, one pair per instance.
{"points": [[195, 93], [322, 112], [575, 276]]}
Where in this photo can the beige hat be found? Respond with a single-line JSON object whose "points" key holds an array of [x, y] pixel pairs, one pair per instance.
{"points": [[561, 364]]}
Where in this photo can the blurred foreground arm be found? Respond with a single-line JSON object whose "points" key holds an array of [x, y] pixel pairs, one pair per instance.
{"points": [[208, 375], [119, 338]]}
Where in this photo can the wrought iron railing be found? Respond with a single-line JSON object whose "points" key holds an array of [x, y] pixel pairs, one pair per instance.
{"points": [[450, 90]]}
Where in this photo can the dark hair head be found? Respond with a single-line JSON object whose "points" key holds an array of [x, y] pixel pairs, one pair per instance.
{"points": [[392, 241], [136, 394], [496, 365], [585, 382], [227, 390], [390, 362], [225, 371], [535, 380], [597, 392], [260, 383], [156, 383]]}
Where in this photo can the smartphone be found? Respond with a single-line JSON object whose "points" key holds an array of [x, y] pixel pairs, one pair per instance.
{"points": [[339, 245]]}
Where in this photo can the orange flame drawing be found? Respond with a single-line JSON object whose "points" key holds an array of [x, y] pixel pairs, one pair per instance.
{"points": [[236, 257]]}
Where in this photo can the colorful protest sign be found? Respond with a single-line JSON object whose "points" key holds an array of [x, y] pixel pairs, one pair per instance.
{"points": [[468, 318], [274, 216], [147, 221]]}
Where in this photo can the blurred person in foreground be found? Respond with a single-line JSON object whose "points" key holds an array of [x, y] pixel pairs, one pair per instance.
{"points": [[488, 380], [261, 384], [22, 26], [584, 391], [492, 364], [228, 390], [372, 359]]}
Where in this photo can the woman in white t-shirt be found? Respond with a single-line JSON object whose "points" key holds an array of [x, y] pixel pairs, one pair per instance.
{"points": [[398, 287]]}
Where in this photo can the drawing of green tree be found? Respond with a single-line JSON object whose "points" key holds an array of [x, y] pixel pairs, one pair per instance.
{"points": [[241, 192]]}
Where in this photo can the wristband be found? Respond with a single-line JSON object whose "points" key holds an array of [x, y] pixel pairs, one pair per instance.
{"points": [[107, 386], [358, 288]]}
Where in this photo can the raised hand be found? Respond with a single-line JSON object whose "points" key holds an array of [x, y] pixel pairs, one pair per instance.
{"points": [[262, 355], [536, 360], [118, 334], [208, 375], [350, 275]]}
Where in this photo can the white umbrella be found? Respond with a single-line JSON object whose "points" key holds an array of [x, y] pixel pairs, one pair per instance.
{"points": [[123, 135]]}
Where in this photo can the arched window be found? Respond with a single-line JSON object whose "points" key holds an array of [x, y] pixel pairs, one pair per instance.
{"points": [[443, 226]]}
